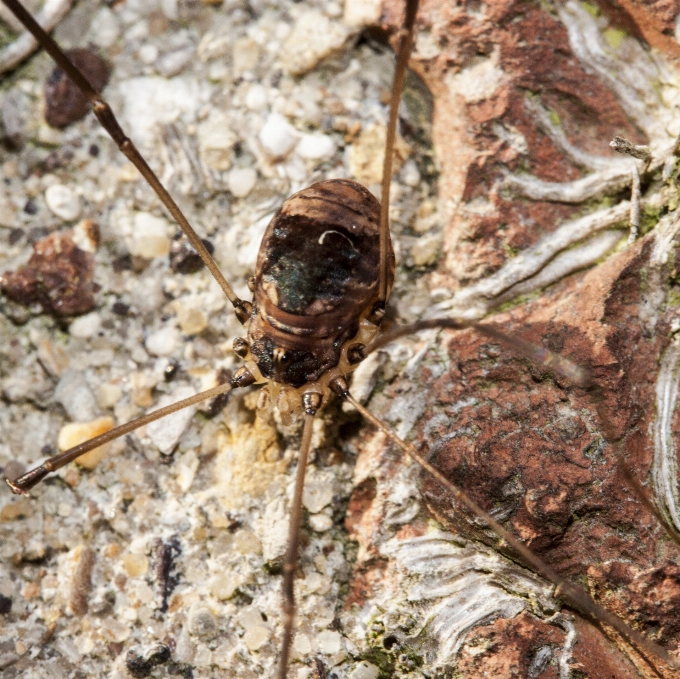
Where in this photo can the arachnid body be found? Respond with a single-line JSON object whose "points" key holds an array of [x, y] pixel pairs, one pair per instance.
{"points": [[179, 567]]}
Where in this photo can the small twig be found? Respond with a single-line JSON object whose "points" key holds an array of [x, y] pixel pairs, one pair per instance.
{"points": [[635, 210], [621, 145]]}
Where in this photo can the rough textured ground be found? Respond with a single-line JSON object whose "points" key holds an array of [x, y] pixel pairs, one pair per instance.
{"points": [[163, 558]]}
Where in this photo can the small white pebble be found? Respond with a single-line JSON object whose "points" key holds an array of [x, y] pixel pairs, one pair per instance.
{"points": [[104, 29], [215, 140], [192, 321], [129, 473], [130, 614], [313, 582], [203, 657], [223, 585], [360, 13], [317, 495], [256, 638], [108, 395], [277, 136], [328, 642], [73, 392], [150, 236], [64, 509], [364, 670], [114, 630], [256, 99], [166, 432], [315, 146], [410, 174], [162, 342], [249, 617], [63, 202], [245, 55], [320, 522], [185, 650], [313, 38], [241, 181], [302, 645], [86, 326], [247, 542], [186, 470], [148, 54]]}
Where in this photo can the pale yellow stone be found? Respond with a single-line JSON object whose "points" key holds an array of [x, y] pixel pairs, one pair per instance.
{"points": [[192, 321], [249, 618], [135, 564], [15, 509], [75, 433], [425, 250], [223, 585], [150, 236], [112, 550], [247, 542], [152, 246], [367, 151], [216, 140], [20, 648], [256, 637], [360, 13], [108, 395], [129, 173], [246, 54]]}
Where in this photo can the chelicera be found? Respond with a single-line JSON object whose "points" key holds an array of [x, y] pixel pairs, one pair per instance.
{"points": [[324, 273]]}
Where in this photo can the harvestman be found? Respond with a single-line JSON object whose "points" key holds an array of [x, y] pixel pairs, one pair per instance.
{"points": [[308, 330]]}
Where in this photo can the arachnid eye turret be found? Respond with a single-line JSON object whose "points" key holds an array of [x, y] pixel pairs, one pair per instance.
{"points": [[280, 356]]}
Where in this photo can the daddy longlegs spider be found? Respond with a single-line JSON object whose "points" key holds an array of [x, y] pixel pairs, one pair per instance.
{"points": [[268, 349]]}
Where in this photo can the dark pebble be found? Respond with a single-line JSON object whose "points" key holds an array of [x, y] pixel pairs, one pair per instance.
{"points": [[5, 604], [64, 102], [183, 258]]}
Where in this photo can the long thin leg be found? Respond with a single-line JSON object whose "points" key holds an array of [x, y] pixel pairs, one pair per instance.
{"points": [[403, 53], [575, 596], [294, 540], [109, 122], [546, 360], [24, 483]]}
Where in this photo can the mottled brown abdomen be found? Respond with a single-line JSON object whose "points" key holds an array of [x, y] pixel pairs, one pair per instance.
{"points": [[317, 273]]}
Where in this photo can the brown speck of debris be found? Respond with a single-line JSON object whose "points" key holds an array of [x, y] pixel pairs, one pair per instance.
{"points": [[81, 583], [166, 556], [58, 276], [64, 102], [183, 257]]}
